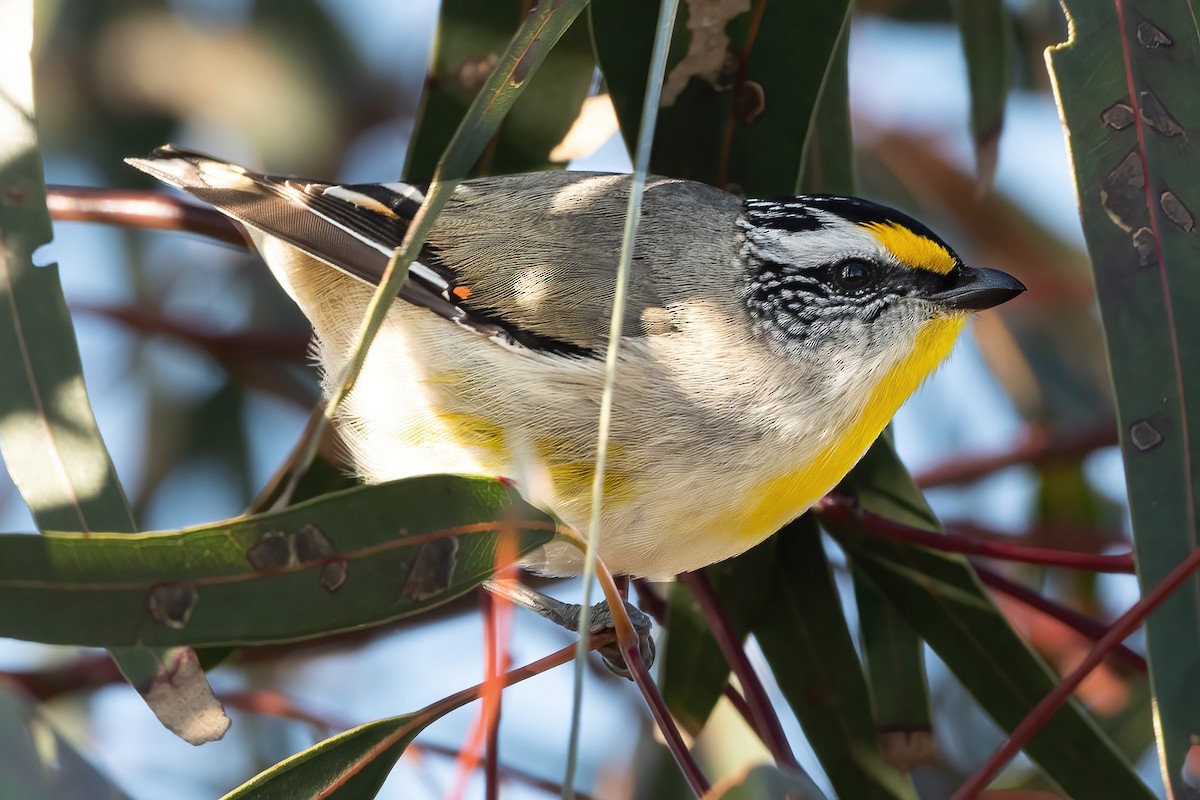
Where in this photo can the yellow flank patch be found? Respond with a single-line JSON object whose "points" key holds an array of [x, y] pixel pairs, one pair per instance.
{"points": [[911, 247], [573, 478], [470, 430], [778, 500]]}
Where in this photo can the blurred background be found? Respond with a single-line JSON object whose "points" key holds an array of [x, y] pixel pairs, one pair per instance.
{"points": [[195, 362]]}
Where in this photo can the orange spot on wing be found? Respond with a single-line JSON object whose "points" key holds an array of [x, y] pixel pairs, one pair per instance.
{"points": [[461, 292]]}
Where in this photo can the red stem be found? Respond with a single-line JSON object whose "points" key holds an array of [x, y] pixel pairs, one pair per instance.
{"points": [[132, 209], [455, 701], [666, 724], [1037, 449], [762, 712], [842, 510], [1124, 625], [650, 602], [1082, 623]]}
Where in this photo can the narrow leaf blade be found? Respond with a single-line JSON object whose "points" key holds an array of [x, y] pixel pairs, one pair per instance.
{"points": [[359, 557], [48, 434], [1124, 84]]}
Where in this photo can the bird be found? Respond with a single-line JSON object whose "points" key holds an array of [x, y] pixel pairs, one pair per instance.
{"points": [[766, 343]]}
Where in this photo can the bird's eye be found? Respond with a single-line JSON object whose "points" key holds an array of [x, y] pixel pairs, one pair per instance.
{"points": [[852, 275]]}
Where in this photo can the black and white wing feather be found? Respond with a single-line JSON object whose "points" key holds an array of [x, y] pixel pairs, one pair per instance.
{"points": [[354, 228]]}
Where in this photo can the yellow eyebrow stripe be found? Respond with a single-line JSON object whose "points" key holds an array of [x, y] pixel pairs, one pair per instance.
{"points": [[912, 248]]}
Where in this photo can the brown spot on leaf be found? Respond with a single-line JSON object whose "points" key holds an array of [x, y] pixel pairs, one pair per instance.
{"points": [[1177, 212], [1143, 242], [1118, 116], [1144, 436], [276, 550], [473, 73], [1152, 37], [432, 569], [1157, 116], [172, 604], [272, 551], [14, 195], [313, 545], [1123, 193], [751, 102], [525, 65]]}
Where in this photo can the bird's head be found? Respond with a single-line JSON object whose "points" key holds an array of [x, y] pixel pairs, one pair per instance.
{"points": [[848, 279]]}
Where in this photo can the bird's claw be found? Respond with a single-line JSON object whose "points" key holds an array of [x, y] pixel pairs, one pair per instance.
{"points": [[614, 659]]}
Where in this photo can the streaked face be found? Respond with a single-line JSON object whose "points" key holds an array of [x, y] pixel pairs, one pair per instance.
{"points": [[832, 275]]}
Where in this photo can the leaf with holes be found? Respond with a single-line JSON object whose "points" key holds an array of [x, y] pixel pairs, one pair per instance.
{"points": [[1125, 85], [359, 557], [741, 90]]}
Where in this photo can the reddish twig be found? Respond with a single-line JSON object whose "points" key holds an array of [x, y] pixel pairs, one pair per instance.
{"points": [[1037, 449], [1124, 625], [842, 510], [1081, 623], [630, 644], [276, 704], [762, 713], [132, 209], [451, 703], [241, 346]]}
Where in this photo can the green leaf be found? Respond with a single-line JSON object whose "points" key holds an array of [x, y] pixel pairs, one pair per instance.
{"points": [[471, 35], [894, 655], [988, 43], [827, 161], [359, 557], [735, 110], [940, 597], [356, 762], [48, 434], [765, 782], [1138, 183], [805, 640]]}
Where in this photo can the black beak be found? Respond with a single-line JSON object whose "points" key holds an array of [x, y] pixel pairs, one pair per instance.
{"points": [[973, 289]]}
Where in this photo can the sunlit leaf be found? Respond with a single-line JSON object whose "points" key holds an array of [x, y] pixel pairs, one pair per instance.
{"points": [[359, 557], [1125, 85], [48, 435]]}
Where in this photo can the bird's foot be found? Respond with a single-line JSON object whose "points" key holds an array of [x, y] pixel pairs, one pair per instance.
{"points": [[566, 615]]}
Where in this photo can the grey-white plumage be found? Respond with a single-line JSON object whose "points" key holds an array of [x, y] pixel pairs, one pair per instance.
{"points": [[495, 365]]}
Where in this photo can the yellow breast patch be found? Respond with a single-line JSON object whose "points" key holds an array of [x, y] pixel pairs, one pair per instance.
{"points": [[779, 500], [911, 247]]}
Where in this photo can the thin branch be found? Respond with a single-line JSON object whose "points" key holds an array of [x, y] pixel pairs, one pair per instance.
{"points": [[842, 510], [1081, 623], [630, 645], [1038, 448], [762, 713], [241, 346], [455, 701], [131, 209], [277, 704], [1124, 625], [653, 604]]}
